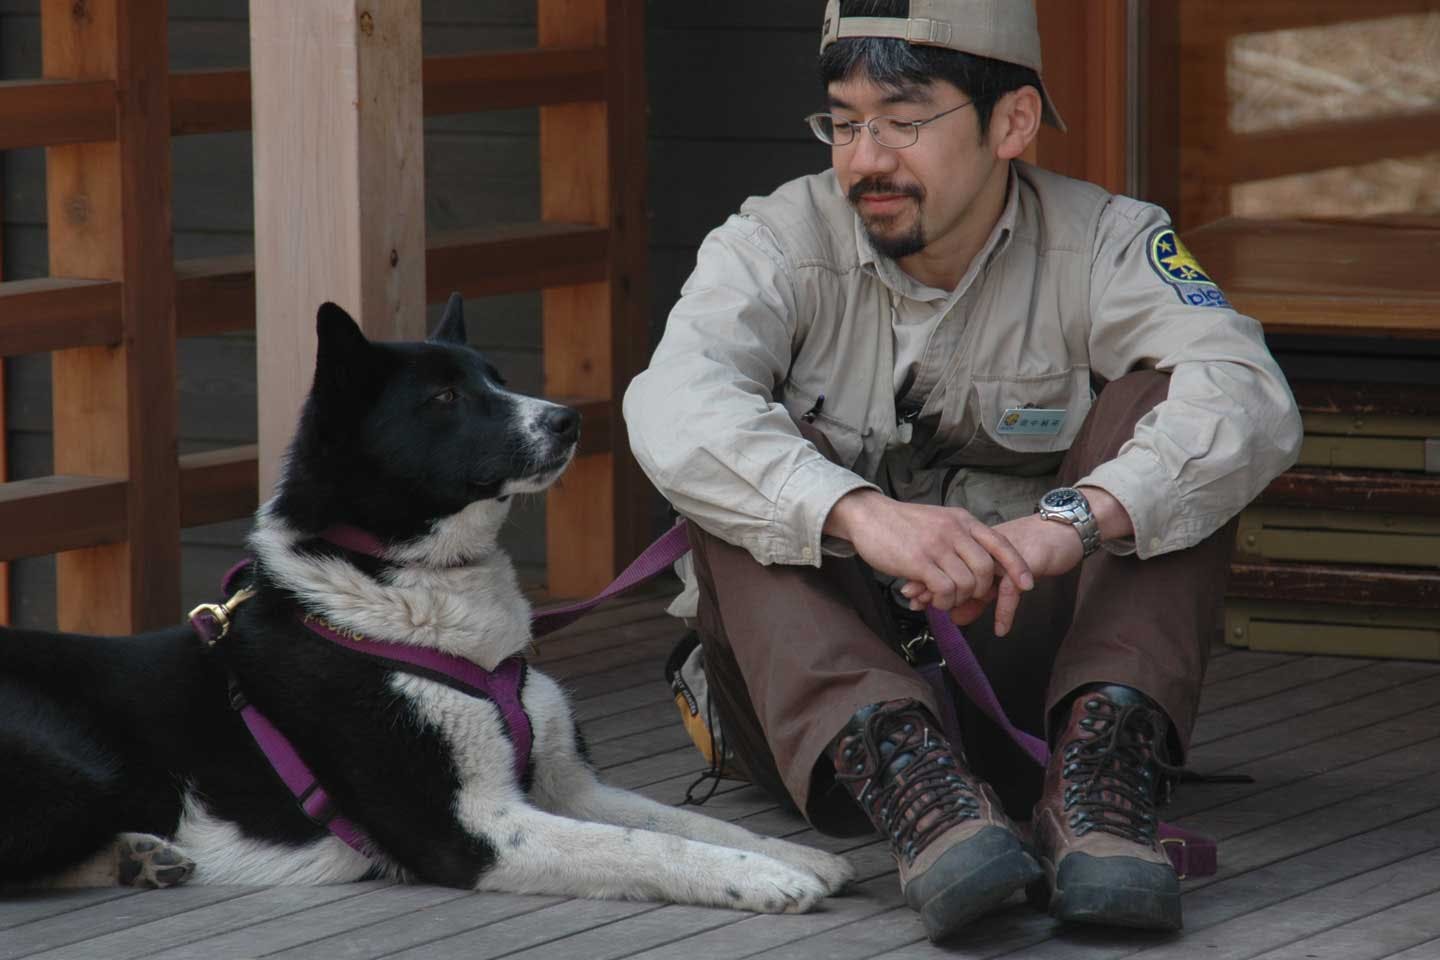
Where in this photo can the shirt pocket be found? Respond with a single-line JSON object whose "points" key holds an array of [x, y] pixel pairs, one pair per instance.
{"points": [[997, 397], [806, 407]]}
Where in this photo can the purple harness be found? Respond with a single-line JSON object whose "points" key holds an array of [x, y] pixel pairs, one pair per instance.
{"points": [[501, 686]]}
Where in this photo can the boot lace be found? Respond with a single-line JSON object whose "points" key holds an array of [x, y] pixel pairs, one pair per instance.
{"points": [[1111, 775], [911, 802]]}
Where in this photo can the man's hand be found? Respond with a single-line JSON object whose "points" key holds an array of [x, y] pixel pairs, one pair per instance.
{"points": [[949, 558]]}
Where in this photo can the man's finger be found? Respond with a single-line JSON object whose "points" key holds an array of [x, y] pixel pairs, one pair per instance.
{"points": [[940, 585], [1006, 603], [1004, 551]]}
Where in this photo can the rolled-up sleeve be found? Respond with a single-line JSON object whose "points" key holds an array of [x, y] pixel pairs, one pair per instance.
{"points": [[703, 419], [1229, 424]]}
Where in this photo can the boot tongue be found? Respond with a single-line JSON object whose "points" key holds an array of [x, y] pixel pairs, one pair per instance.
{"points": [[1120, 695]]}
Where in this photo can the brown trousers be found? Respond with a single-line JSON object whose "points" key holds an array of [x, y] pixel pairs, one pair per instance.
{"points": [[792, 652]]}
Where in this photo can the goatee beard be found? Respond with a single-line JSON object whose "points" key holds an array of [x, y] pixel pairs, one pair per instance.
{"points": [[898, 247]]}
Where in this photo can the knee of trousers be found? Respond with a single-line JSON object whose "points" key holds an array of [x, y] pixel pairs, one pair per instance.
{"points": [[1111, 421]]}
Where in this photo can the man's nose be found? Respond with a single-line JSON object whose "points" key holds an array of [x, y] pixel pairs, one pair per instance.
{"points": [[869, 157]]}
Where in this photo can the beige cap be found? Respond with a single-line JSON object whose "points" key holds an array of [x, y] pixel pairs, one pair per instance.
{"points": [[998, 29]]}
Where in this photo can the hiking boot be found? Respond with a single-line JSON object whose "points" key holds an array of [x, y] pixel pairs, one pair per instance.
{"points": [[1095, 825], [957, 852]]}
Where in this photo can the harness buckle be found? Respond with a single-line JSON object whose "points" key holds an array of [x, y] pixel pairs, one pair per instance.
{"points": [[1176, 842], [221, 614]]}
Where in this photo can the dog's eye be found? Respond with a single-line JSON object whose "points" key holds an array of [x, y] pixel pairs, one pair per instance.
{"points": [[448, 395]]}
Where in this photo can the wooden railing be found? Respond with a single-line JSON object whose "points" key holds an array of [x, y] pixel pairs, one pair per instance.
{"points": [[1213, 158], [116, 301]]}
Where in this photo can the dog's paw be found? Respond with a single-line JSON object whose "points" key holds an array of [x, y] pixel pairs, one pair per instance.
{"points": [[148, 861], [770, 886], [835, 873]]}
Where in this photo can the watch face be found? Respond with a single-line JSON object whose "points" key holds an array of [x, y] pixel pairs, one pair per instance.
{"points": [[1062, 498]]}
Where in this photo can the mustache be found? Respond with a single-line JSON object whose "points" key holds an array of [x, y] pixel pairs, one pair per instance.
{"points": [[881, 185]]}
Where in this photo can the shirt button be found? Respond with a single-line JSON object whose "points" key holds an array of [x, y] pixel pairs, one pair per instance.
{"points": [[1154, 543], [807, 553]]}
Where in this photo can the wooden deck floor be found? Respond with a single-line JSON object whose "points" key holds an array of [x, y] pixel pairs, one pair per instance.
{"points": [[1332, 854]]}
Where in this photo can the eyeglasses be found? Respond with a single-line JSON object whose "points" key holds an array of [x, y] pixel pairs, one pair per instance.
{"points": [[897, 133]]}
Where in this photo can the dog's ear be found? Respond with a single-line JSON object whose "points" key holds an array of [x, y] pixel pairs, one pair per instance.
{"points": [[451, 328], [343, 358]]}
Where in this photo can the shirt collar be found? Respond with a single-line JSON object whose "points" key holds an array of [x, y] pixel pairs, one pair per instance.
{"points": [[900, 282]]}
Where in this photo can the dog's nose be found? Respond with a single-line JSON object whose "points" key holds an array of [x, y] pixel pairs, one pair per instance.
{"points": [[564, 422]]}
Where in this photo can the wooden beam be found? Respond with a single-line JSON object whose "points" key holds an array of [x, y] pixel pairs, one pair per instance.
{"points": [[209, 101], [1347, 279], [1233, 19], [59, 513], [214, 295], [339, 187], [218, 485], [1331, 143], [505, 80], [38, 316], [115, 408], [215, 101], [507, 259], [1336, 583], [1371, 491], [42, 113]]}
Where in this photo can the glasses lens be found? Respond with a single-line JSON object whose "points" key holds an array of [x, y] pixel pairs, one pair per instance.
{"points": [[893, 132], [829, 131]]}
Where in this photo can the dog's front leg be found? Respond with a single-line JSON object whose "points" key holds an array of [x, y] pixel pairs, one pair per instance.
{"points": [[586, 798], [539, 852]]}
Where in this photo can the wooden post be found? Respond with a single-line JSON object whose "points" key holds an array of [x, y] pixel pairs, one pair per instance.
{"points": [[115, 408], [1205, 138], [339, 187], [593, 171], [1084, 49]]}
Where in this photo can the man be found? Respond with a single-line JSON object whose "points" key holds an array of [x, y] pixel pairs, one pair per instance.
{"points": [[877, 372]]}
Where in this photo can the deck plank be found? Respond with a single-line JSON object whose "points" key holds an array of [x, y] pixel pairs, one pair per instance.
{"points": [[478, 925], [1259, 684], [1381, 934], [122, 913], [372, 904], [1271, 769], [1383, 676], [181, 929], [27, 906]]}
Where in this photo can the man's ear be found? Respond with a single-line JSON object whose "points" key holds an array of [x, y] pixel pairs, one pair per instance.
{"points": [[1015, 122], [451, 328]]}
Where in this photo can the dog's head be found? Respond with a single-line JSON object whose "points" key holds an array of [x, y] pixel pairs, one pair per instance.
{"points": [[398, 438]]}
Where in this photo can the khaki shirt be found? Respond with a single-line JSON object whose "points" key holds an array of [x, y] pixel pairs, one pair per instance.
{"points": [[789, 303]]}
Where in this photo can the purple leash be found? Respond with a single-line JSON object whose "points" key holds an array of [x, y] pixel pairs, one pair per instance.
{"points": [[1192, 854]]}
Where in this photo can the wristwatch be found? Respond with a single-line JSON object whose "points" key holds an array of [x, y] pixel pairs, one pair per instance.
{"points": [[1068, 505]]}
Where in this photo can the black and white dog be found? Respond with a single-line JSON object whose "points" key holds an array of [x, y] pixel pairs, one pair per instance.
{"points": [[124, 762]]}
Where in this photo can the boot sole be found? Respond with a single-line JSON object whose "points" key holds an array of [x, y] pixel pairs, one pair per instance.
{"points": [[1111, 891], [964, 890]]}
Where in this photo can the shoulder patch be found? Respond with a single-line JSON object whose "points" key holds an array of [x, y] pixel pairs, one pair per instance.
{"points": [[1178, 267]]}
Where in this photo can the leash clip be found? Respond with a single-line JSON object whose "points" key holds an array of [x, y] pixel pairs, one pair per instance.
{"points": [[911, 648], [220, 614]]}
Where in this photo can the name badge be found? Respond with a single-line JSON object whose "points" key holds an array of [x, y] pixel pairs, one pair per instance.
{"points": [[1030, 422]]}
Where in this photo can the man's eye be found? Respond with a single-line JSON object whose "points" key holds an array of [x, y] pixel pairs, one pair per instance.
{"points": [[448, 395]]}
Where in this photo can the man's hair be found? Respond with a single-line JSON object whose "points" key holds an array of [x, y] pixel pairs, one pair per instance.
{"points": [[896, 64]]}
